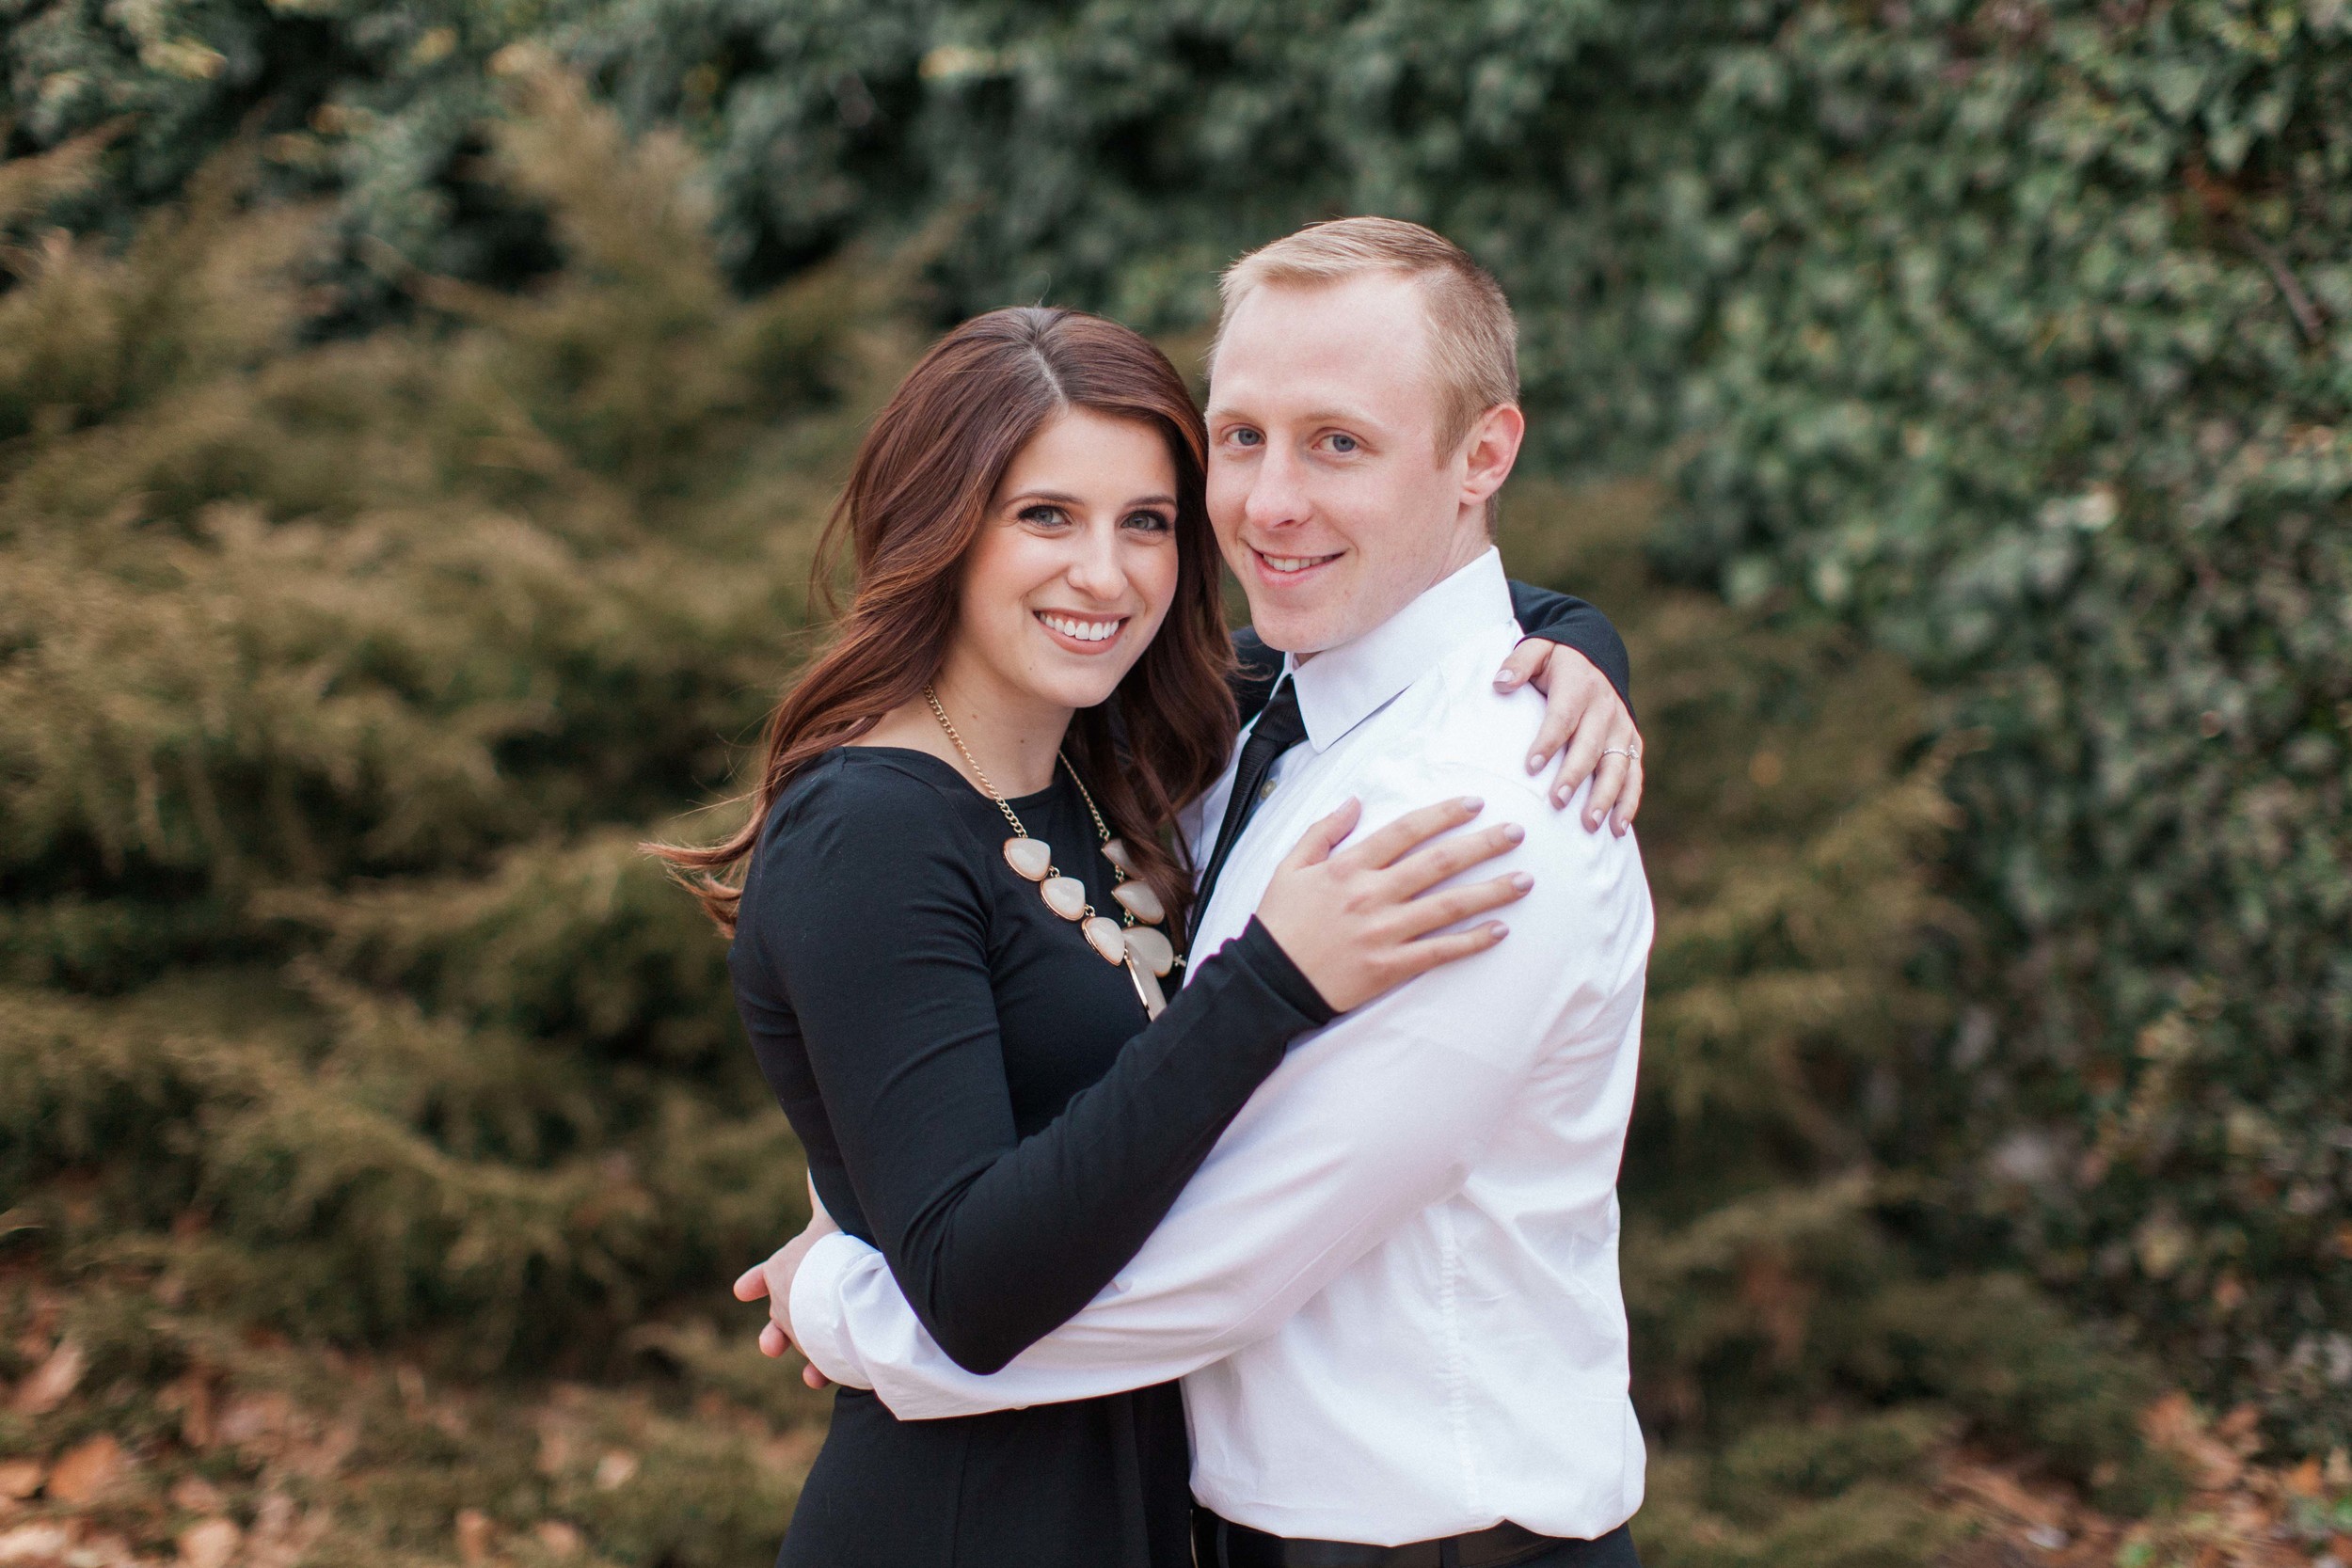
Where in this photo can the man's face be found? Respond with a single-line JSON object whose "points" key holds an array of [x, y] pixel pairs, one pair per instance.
{"points": [[1329, 497]]}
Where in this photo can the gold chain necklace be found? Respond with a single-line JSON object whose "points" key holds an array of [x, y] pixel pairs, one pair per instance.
{"points": [[1143, 948]]}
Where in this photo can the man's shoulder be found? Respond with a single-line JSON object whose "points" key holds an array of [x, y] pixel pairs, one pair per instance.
{"points": [[1453, 734], [1453, 719]]}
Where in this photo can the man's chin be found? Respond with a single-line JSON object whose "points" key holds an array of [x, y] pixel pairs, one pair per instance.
{"points": [[1287, 629]]}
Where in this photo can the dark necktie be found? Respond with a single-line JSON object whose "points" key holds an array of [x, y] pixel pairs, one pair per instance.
{"points": [[1279, 729]]}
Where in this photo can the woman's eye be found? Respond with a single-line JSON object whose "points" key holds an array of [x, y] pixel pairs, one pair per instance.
{"points": [[1150, 522], [1043, 517]]}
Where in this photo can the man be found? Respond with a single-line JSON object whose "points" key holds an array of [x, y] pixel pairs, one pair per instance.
{"points": [[1392, 1289]]}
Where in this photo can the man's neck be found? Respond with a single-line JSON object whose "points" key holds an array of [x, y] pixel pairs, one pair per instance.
{"points": [[1470, 541]]}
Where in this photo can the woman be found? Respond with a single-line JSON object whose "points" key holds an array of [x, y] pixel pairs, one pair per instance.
{"points": [[944, 944]]}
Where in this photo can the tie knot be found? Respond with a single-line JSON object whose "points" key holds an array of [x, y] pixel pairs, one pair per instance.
{"points": [[1280, 726]]}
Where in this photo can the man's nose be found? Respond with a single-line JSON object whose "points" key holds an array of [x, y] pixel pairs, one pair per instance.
{"points": [[1276, 495]]}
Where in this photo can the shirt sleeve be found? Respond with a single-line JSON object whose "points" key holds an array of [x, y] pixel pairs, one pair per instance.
{"points": [[877, 926], [1573, 623], [1377, 1116]]}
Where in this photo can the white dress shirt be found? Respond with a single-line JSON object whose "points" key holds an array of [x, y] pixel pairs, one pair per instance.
{"points": [[1392, 1289]]}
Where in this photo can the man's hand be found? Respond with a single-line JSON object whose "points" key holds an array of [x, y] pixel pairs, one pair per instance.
{"points": [[773, 1280], [1584, 712]]}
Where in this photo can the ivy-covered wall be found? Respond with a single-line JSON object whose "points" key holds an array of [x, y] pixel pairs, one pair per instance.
{"points": [[2018, 332]]}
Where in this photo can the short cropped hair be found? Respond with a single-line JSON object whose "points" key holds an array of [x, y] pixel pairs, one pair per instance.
{"points": [[1473, 339]]}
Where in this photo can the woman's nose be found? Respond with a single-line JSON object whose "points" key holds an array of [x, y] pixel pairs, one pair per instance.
{"points": [[1096, 569]]}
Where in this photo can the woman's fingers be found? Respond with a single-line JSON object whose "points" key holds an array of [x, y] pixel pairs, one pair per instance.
{"points": [[1420, 957], [1608, 783], [1424, 868], [753, 1283], [772, 1341], [1616, 766], [1578, 761], [1436, 911], [1630, 802], [1315, 844], [1391, 844], [1521, 666], [1572, 689]]}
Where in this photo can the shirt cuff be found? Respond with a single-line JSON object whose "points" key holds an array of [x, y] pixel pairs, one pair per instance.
{"points": [[819, 1325]]}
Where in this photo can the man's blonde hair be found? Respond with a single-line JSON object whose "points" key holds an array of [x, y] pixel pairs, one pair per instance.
{"points": [[1473, 341]]}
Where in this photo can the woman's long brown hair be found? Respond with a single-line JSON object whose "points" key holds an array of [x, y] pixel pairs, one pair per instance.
{"points": [[917, 497]]}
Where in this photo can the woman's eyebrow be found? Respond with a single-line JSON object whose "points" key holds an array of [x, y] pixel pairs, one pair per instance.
{"points": [[1059, 498]]}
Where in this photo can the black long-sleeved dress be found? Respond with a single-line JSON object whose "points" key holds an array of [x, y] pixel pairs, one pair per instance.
{"points": [[981, 1099]]}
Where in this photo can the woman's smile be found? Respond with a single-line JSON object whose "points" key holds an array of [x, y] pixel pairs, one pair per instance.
{"points": [[1083, 634]]}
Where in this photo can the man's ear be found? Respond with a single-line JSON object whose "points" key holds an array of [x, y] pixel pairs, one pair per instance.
{"points": [[1492, 448]]}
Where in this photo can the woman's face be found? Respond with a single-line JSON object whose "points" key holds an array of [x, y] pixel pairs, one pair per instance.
{"points": [[1074, 566]]}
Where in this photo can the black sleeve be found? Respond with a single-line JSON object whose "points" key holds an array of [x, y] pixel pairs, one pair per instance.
{"points": [[1573, 623], [880, 931]]}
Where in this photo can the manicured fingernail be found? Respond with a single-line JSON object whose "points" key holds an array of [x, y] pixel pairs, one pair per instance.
{"points": [[1534, 762], [1522, 881], [1506, 680], [1513, 833], [1471, 803], [1500, 931]]}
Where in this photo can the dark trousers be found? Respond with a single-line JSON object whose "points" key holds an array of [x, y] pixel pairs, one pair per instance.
{"points": [[1213, 1548], [1613, 1550]]}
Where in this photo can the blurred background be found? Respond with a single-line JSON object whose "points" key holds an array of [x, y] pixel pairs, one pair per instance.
{"points": [[414, 420]]}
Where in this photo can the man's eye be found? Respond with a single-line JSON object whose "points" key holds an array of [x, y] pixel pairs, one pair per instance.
{"points": [[1245, 436], [1343, 443]]}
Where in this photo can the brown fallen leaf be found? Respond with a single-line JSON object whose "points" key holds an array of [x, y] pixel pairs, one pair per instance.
{"points": [[474, 1535], [29, 1543], [89, 1470], [210, 1543], [560, 1539], [20, 1478], [197, 1495], [53, 1380]]}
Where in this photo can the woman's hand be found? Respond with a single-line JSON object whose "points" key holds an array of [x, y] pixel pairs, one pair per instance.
{"points": [[1582, 711], [1357, 921], [773, 1279]]}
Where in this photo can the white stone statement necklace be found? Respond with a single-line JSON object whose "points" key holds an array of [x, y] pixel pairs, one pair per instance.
{"points": [[1144, 948]]}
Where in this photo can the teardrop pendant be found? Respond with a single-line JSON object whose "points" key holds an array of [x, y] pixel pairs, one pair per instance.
{"points": [[1115, 851], [1103, 932], [1032, 857], [1065, 896], [1151, 947], [1141, 901]]}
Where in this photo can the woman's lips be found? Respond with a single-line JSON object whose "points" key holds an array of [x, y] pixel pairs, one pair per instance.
{"points": [[1082, 634]]}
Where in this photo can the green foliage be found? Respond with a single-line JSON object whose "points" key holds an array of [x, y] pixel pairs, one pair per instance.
{"points": [[338, 685]]}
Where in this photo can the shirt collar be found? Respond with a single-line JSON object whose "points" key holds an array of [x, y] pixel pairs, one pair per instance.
{"points": [[1339, 688]]}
